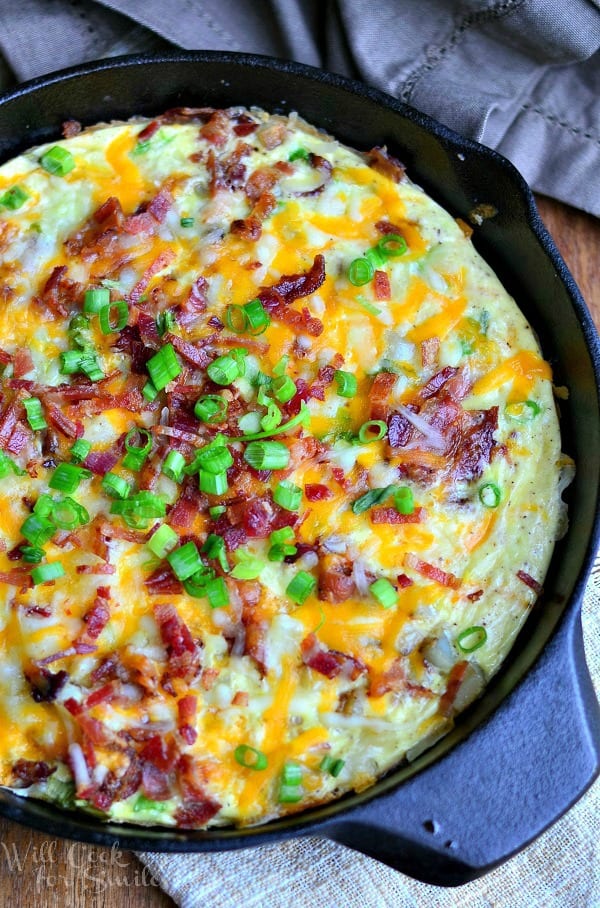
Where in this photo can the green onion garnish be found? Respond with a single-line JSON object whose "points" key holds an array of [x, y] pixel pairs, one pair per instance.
{"points": [[523, 411], [212, 483], [44, 505], [301, 586], [284, 388], [196, 584], [250, 757], [163, 367], [137, 453], [360, 272], [332, 766], [96, 299], [215, 459], [369, 307], [404, 500], [211, 408], [280, 366], [490, 495], [375, 257], [187, 222], [214, 547], [46, 572], [248, 567], [217, 594], [37, 529], [144, 803], [267, 455], [70, 361], [372, 430], [287, 495], [272, 417], [14, 198], [292, 773], [58, 161], [224, 370], [67, 476], [90, 366], [471, 639], [115, 486], [392, 245], [165, 321], [347, 385], [31, 554], [78, 325], [68, 514], [300, 154], [217, 510], [384, 592], [371, 498], [7, 465], [236, 319], [149, 391], [301, 418], [113, 317], [281, 551], [80, 450], [139, 508], [257, 317], [173, 466], [185, 561], [162, 541], [35, 415]]}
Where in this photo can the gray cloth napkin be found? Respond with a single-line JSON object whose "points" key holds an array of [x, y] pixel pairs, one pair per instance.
{"points": [[520, 75]]}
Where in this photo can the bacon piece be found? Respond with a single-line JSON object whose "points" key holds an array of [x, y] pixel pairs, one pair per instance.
{"points": [[245, 125], [160, 262], [302, 322], [160, 752], [62, 422], [316, 491], [431, 572], [142, 222], [31, 771], [22, 362], [101, 695], [335, 579], [294, 286], [261, 180], [160, 205], [163, 582], [529, 581], [70, 128], [17, 577], [186, 711], [391, 516], [272, 134], [110, 213], [182, 653], [51, 292], [386, 227], [330, 663], [475, 596], [5, 358], [404, 580], [8, 421], [383, 162], [392, 679], [430, 351], [240, 698], [155, 783], [97, 618], [199, 806], [196, 303], [101, 462], [192, 353], [476, 445], [195, 815], [381, 286], [303, 450], [45, 685], [437, 382], [400, 429], [148, 131], [455, 679], [354, 482], [20, 436], [379, 395], [217, 129], [247, 228]]}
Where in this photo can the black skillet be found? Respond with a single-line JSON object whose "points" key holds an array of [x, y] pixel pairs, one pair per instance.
{"points": [[523, 754]]}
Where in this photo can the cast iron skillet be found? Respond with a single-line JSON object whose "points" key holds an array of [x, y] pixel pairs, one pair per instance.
{"points": [[518, 758]]}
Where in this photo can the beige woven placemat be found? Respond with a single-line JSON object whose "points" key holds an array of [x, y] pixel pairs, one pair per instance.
{"points": [[561, 869]]}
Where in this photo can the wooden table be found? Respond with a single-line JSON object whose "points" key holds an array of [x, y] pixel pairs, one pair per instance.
{"points": [[54, 873]]}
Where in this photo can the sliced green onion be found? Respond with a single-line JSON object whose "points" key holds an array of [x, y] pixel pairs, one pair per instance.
{"points": [[35, 415], [165, 321], [239, 354], [289, 794], [372, 430], [14, 198], [392, 245], [46, 572], [80, 450], [332, 766], [287, 495], [196, 584], [90, 366], [285, 534], [280, 366], [217, 510], [217, 594], [187, 222], [58, 161], [162, 541], [67, 476], [43, 506], [291, 774], [223, 370], [347, 385], [523, 411], [471, 639], [281, 551], [70, 361], [262, 397], [248, 567], [267, 455], [260, 380], [7, 465], [490, 495], [301, 418], [214, 547], [149, 391], [250, 757], [163, 367], [300, 154], [173, 466], [136, 454], [272, 417], [236, 319], [371, 498], [215, 459], [211, 408], [115, 486], [213, 483], [360, 272], [384, 592], [369, 307], [185, 561], [68, 514], [257, 318], [31, 554], [79, 331], [37, 530], [301, 586], [114, 317], [139, 508], [375, 257], [96, 299], [284, 388], [404, 500], [143, 803]]}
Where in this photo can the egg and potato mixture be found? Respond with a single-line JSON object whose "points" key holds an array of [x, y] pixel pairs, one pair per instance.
{"points": [[280, 469]]}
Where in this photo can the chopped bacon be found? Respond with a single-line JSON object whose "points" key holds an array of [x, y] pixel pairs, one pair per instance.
{"points": [[391, 516], [330, 663], [381, 286], [217, 129], [146, 326], [100, 695], [30, 771], [160, 262], [8, 421], [475, 596], [160, 752], [262, 180], [430, 351], [335, 579], [193, 353], [70, 128], [460, 384], [20, 436], [96, 569], [194, 305], [437, 382], [199, 807], [110, 213], [5, 358], [97, 618], [382, 161], [431, 572], [155, 783], [182, 653], [303, 450], [142, 222], [400, 429], [186, 711], [529, 581], [272, 134], [240, 698], [476, 444], [245, 125], [22, 362], [17, 577], [163, 582], [294, 286], [392, 679], [354, 482], [404, 580], [45, 685], [62, 422], [379, 395], [51, 292], [316, 491], [148, 131], [255, 638], [453, 683], [386, 227], [101, 462], [247, 228], [160, 205]]}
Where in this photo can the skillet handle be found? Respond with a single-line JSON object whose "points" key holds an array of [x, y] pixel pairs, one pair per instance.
{"points": [[498, 789]]}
